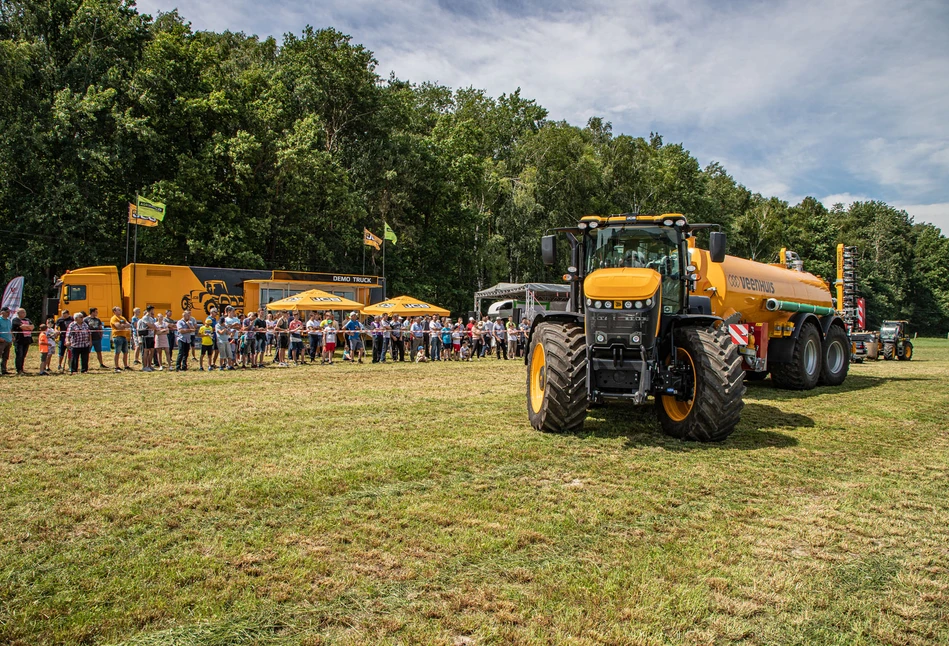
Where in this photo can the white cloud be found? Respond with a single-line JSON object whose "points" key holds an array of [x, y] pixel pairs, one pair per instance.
{"points": [[794, 97], [935, 214]]}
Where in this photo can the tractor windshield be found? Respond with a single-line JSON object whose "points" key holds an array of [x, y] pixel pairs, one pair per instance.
{"points": [[889, 332], [647, 247]]}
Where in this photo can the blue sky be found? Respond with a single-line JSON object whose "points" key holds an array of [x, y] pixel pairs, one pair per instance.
{"points": [[839, 100]]}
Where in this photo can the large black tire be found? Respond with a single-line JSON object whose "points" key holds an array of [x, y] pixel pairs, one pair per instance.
{"points": [[888, 351], [803, 371], [715, 408], [836, 357], [557, 378], [907, 351]]}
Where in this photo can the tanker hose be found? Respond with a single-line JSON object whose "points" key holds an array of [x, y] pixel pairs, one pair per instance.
{"points": [[774, 305]]}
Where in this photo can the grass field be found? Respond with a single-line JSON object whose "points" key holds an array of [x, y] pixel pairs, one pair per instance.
{"points": [[414, 504]]}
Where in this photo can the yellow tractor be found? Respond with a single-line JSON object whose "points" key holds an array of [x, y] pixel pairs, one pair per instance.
{"points": [[896, 343], [634, 330]]}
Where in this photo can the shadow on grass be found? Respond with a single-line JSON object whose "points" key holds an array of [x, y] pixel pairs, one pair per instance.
{"points": [[767, 390], [638, 424]]}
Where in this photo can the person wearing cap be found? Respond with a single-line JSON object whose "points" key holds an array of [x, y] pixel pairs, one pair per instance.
{"points": [[353, 332], [260, 337], [206, 334], [121, 332], [6, 339], [329, 338], [79, 340]]}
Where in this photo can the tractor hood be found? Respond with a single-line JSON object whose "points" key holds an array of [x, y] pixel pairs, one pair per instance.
{"points": [[622, 283]]}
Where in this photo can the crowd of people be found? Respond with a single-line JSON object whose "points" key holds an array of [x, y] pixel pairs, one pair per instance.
{"points": [[230, 340]]}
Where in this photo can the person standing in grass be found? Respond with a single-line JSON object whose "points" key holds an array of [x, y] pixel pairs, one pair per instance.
{"points": [[95, 326], [121, 334], [146, 334], [62, 325], [510, 329], [22, 329], [162, 344], [206, 334], [283, 339], [329, 339], [500, 344], [435, 332], [137, 346], [312, 340], [397, 339], [224, 351], [446, 340], [260, 338], [296, 339], [418, 336], [426, 335], [79, 340], [44, 348], [185, 332], [6, 339], [353, 335]]}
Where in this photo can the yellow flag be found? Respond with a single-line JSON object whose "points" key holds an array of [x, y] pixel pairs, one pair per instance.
{"points": [[141, 220], [370, 239], [150, 207]]}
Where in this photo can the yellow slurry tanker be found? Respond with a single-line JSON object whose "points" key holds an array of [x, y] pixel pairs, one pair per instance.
{"points": [[781, 317], [651, 315]]}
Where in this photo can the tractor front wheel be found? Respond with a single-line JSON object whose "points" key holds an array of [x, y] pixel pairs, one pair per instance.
{"points": [[710, 407], [557, 378], [888, 351], [907, 351]]}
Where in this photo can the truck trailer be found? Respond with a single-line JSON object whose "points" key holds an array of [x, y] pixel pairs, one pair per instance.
{"points": [[199, 289]]}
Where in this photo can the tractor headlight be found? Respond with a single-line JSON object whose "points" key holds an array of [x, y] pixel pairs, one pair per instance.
{"points": [[598, 304], [628, 305], [635, 339], [600, 337], [589, 302], [609, 305], [648, 302], [639, 304]]}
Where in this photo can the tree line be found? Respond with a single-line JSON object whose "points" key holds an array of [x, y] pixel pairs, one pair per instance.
{"points": [[277, 154]]}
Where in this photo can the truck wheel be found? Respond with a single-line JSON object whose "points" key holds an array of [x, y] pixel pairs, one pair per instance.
{"points": [[836, 357], [887, 351], [713, 410], [557, 378], [803, 371], [907, 352]]}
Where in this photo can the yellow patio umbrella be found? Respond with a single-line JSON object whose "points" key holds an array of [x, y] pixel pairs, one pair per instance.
{"points": [[315, 299], [405, 306]]}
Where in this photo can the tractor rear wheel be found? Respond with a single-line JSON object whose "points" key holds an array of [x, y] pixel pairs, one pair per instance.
{"points": [[907, 351], [888, 351], [714, 408], [836, 357], [803, 371], [557, 378]]}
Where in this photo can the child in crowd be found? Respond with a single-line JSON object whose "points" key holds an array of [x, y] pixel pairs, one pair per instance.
{"points": [[206, 334], [44, 349], [465, 352], [420, 355], [347, 355]]}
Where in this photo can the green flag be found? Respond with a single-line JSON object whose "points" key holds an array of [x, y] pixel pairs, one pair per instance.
{"points": [[390, 234], [150, 208]]}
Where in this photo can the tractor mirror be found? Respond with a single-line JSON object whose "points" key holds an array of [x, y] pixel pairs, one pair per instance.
{"points": [[548, 249], [716, 246]]}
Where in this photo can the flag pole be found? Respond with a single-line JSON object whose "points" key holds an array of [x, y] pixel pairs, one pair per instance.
{"points": [[127, 242], [364, 254], [384, 286]]}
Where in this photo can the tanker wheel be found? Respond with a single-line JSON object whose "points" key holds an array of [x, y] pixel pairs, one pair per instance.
{"points": [[804, 368], [836, 357], [713, 378], [755, 375], [888, 351], [557, 378], [907, 352]]}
